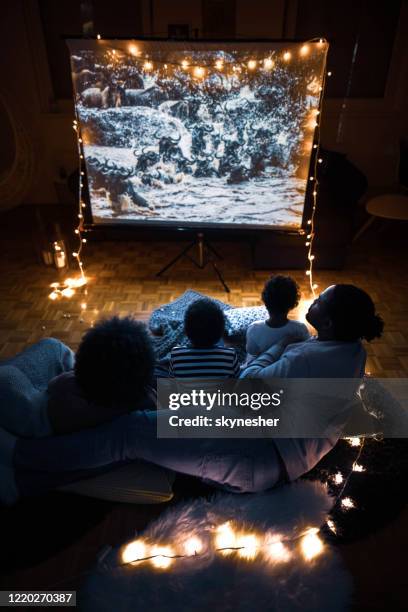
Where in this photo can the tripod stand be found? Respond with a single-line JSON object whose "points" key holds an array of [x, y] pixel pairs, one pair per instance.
{"points": [[206, 253]]}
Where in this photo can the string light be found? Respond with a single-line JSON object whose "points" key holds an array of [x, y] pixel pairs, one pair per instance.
{"points": [[268, 63], [287, 55], [338, 478], [252, 64], [199, 72], [347, 503], [315, 125], [133, 50]]}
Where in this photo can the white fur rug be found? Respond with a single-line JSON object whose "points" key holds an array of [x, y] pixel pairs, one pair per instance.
{"points": [[276, 578]]}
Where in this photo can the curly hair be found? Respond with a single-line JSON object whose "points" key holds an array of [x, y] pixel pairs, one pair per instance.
{"points": [[280, 294], [353, 315], [204, 323], [114, 362]]}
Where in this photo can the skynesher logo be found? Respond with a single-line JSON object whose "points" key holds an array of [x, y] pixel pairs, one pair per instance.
{"points": [[220, 399]]}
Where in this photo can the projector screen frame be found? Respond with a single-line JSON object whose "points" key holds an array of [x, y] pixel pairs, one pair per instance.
{"points": [[177, 226]]}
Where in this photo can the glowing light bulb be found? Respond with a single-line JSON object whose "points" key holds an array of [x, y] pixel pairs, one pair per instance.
{"points": [[315, 286], [251, 64], [193, 546], [77, 231], [287, 55], [311, 545], [315, 146], [347, 503], [312, 257], [83, 306], [309, 222], [307, 273], [250, 545], [84, 240], [219, 65], [74, 254], [307, 243], [135, 550], [354, 441], [225, 538], [276, 551], [358, 468], [315, 193], [133, 50], [199, 72], [268, 63], [148, 65], [331, 525], [161, 556], [338, 478], [67, 292], [304, 50], [329, 74], [79, 139], [98, 36], [311, 178], [320, 160], [184, 64], [53, 295]]}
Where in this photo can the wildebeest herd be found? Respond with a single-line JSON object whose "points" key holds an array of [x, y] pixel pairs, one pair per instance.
{"points": [[226, 127]]}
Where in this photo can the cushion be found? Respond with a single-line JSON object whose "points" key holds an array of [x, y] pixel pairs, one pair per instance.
{"points": [[134, 483], [238, 319], [173, 312]]}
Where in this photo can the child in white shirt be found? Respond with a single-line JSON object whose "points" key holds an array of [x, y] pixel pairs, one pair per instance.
{"points": [[280, 295]]}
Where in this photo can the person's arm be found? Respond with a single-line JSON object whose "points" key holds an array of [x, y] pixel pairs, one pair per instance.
{"points": [[251, 346], [268, 363]]}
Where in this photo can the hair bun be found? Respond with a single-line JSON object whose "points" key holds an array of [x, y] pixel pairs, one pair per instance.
{"points": [[373, 328]]}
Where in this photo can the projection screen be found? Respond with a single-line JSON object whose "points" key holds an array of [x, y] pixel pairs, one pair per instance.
{"points": [[197, 134]]}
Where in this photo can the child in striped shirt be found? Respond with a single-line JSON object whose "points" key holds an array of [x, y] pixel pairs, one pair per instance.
{"points": [[205, 357]]}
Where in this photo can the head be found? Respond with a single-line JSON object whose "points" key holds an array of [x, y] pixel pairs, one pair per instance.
{"points": [[114, 362], [345, 313], [204, 323], [280, 295]]}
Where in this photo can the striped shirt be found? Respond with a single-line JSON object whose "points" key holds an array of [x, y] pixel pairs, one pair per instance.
{"points": [[214, 362]]}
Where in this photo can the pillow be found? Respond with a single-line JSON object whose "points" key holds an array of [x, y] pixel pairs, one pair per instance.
{"points": [[133, 483], [238, 319], [173, 313]]}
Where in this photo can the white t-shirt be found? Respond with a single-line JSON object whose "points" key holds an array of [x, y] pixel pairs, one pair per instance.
{"points": [[260, 337], [311, 359]]}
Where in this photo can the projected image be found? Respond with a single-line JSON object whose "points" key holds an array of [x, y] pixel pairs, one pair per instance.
{"points": [[200, 134]]}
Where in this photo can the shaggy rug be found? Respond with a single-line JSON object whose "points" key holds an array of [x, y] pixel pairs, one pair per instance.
{"points": [[231, 552]]}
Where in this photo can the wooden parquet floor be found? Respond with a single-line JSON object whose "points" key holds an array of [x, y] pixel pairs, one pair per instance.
{"points": [[123, 281]]}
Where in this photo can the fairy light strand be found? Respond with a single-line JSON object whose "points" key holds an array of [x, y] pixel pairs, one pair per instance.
{"points": [[311, 229], [66, 288]]}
